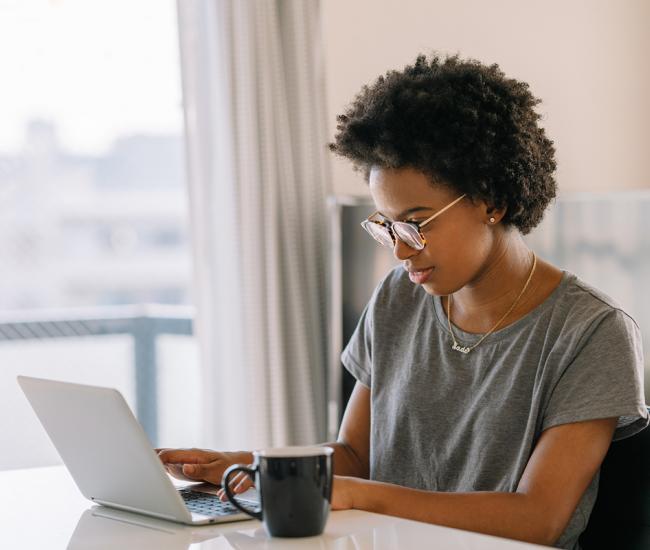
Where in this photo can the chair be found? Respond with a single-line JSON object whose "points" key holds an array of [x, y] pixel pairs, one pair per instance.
{"points": [[621, 516]]}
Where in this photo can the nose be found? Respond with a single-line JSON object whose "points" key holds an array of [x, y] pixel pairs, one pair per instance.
{"points": [[402, 251]]}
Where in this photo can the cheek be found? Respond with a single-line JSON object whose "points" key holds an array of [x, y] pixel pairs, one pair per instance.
{"points": [[458, 257], [462, 244]]}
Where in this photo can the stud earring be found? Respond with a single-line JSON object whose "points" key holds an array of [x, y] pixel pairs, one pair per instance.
{"points": [[492, 220]]}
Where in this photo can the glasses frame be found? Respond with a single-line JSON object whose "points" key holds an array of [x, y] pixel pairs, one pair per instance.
{"points": [[389, 225]]}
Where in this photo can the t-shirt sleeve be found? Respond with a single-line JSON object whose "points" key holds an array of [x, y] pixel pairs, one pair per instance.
{"points": [[604, 379], [357, 355]]}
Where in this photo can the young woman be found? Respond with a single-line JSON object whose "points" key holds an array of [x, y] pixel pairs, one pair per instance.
{"points": [[490, 383]]}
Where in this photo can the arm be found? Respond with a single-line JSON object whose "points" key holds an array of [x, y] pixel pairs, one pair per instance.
{"points": [[352, 449], [562, 465]]}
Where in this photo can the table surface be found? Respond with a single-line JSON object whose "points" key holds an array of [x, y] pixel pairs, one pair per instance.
{"points": [[42, 508]]}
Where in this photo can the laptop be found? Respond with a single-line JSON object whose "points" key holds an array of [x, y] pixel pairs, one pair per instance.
{"points": [[111, 459]]}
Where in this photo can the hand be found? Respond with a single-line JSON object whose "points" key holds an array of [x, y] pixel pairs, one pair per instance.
{"points": [[200, 464], [343, 491], [238, 484]]}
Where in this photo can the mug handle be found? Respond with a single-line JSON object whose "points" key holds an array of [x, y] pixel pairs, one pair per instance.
{"points": [[257, 514]]}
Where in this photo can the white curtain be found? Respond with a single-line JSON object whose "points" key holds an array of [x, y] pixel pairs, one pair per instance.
{"points": [[256, 146]]}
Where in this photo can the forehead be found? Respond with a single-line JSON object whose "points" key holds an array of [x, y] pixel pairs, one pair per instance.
{"points": [[399, 190]]}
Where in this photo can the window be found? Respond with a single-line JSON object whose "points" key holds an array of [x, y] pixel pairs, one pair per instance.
{"points": [[93, 207]]}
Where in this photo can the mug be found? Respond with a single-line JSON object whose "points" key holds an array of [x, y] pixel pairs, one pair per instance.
{"points": [[295, 489]]}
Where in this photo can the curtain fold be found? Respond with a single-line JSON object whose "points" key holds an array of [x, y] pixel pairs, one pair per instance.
{"points": [[258, 179]]}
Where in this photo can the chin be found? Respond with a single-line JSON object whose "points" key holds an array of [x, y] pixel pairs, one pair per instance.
{"points": [[440, 288], [433, 290]]}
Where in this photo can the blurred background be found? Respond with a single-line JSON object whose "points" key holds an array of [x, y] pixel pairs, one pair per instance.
{"points": [[93, 212], [115, 129]]}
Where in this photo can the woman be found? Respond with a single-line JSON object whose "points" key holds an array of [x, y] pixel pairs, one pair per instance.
{"points": [[495, 381]]}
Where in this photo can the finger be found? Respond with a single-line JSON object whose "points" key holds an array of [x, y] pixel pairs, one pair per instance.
{"points": [[244, 485], [234, 481], [203, 472], [176, 470], [186, 456], [193, 470], [240, 482], [234, 485], [160, 450]]}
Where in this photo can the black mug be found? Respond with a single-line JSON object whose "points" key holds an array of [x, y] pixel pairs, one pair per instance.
{"points": [[295, 488]]}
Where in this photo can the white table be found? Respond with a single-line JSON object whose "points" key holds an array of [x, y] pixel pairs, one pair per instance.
{"points": [[42, 508]]}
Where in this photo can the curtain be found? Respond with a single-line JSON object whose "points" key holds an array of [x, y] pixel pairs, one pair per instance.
{"points": [[256, 153]]}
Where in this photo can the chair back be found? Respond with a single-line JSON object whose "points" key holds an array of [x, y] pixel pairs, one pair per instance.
{"points": [[620, 519]]}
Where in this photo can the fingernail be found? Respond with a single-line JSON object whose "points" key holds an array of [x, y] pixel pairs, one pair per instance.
{"points": [[190, 469]]}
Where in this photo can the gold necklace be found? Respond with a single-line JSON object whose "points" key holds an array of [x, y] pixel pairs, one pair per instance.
{"points": [[467, 349]]}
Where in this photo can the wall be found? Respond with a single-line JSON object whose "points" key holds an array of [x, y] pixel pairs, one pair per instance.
{"points": [[586, 59]]}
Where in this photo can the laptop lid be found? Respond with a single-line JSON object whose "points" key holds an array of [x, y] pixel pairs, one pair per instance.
{"points": [[104, 447]]}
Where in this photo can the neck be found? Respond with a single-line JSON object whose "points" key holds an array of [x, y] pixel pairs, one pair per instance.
{"points": [[494, 289]]}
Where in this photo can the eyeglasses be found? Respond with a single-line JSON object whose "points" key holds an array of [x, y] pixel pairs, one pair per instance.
{"points": [[410, 233]]}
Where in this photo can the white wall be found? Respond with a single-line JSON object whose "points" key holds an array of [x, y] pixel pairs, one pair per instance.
{"points": [[586, 59]]}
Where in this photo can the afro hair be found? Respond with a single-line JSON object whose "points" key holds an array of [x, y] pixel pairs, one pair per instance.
{"points": [[463, 124]]}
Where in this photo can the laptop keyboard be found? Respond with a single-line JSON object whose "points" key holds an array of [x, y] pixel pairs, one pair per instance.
{"points": [[210, 505]]}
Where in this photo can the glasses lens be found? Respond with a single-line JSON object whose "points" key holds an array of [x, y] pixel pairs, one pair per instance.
{"points": [[378, 232], [409, 234]]}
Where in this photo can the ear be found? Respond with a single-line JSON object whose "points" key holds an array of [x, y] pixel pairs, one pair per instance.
{"points": [[494, 215]]}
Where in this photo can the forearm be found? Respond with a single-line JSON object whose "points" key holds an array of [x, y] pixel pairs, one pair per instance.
{"points": [[510, 515], [346, 461]]}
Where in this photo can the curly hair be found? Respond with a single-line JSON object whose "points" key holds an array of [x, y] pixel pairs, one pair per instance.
{"points": [[463, 124]]}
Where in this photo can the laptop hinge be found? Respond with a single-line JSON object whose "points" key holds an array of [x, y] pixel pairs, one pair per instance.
{"points": [[133, 509]]}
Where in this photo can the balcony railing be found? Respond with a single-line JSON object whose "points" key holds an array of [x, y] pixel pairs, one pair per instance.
{"points": [[143, 323]]}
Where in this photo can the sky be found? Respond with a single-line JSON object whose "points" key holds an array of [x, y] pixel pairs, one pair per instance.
{"points": [[97, 69]]}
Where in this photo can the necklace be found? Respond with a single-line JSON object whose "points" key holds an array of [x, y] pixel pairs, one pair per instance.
{"points": [[467, 349]]}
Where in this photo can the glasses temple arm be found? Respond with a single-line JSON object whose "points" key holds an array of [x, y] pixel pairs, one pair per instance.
{"points": [[422, 224]]}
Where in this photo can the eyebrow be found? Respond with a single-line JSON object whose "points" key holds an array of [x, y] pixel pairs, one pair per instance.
{"points": [[408, 212]]}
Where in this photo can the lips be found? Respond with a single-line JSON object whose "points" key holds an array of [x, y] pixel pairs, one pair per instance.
{"points": [[420, 276]]}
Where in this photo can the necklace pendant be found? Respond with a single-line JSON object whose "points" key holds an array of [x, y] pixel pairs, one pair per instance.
{"points": [[461, 349]]}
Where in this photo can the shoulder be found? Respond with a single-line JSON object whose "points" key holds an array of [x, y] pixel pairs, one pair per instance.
{"points": [[585, 299], [586, 309]]}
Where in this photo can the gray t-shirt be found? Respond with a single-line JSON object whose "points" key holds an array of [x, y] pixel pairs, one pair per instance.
{"points": [[445, 421]]}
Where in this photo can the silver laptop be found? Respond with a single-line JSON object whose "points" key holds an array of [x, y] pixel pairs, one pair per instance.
{"points": [[110, 458]]}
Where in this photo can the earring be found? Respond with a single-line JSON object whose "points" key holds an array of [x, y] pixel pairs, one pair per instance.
{"points": [[492, 219]]}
